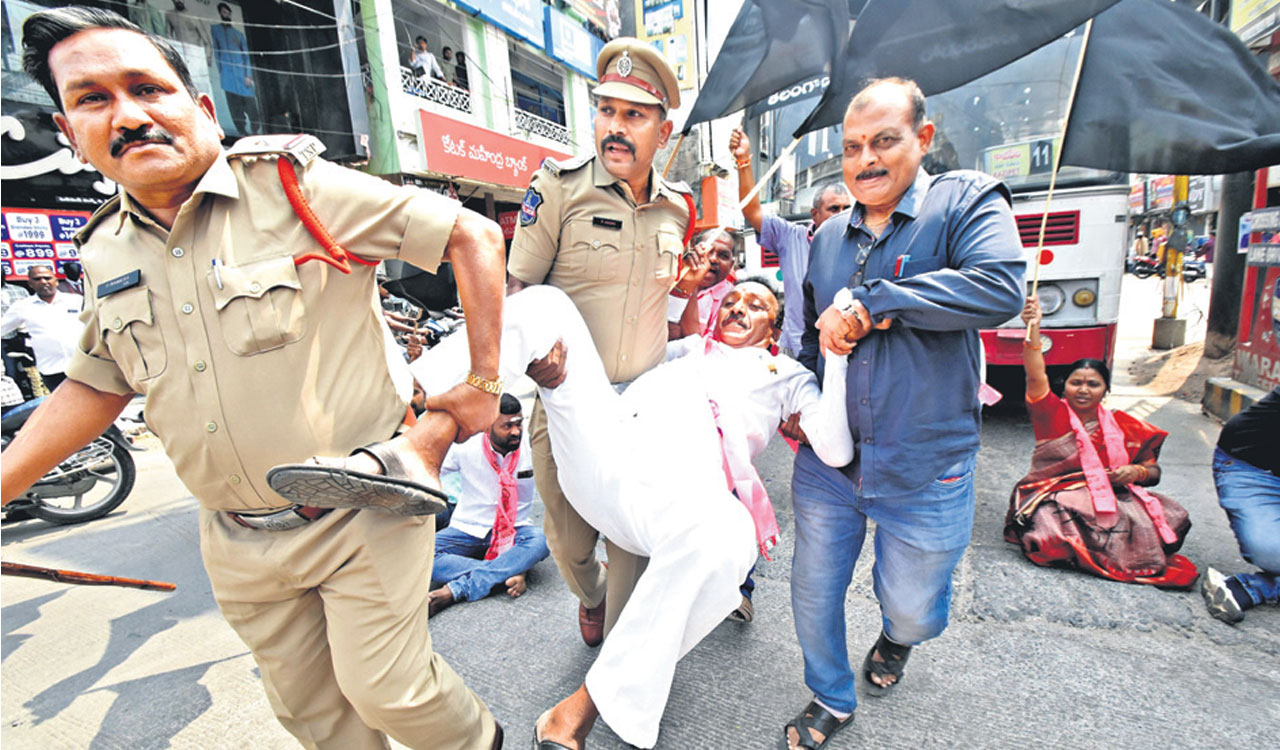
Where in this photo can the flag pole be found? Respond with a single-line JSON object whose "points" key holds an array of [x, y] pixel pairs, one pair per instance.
{"points": [[765, 177], [1057, 159], [672, 159]]}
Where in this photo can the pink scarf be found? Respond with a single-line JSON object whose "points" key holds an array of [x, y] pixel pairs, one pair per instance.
{"points": [[1104, 498], [744, 481], [504, 522]]}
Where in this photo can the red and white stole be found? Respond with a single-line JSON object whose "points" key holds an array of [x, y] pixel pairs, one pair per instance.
{"points": [[504, 521], [1095, 474]]}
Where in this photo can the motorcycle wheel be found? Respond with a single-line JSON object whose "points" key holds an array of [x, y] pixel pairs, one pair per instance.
{"points": [[102, 487], [1142, 272]]}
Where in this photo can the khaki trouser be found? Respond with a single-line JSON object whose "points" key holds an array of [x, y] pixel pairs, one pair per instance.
{"points": [[573, 541], [335, 613]]}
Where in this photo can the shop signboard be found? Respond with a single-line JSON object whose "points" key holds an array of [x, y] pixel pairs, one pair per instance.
{"points": [[1199, 194], [603, 13], [458, 149], [569, 43], [1251, 19], [520, 18], [668, 26], [1138, 198], [1257, 357], [507, 221], [38, 236], [1161, 193]]}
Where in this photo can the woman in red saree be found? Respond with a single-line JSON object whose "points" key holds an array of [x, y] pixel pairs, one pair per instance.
{"points": [[1085, 503]]}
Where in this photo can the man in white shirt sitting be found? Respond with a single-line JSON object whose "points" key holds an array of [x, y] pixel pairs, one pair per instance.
{"points": [[52, 318], [490, 539]]}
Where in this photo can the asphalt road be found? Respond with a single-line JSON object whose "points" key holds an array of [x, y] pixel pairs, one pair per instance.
{"points": [[1033, 657]]}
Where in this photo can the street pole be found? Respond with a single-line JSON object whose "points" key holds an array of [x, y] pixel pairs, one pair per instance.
{"points": [[1228, 266], [1170, 331]]}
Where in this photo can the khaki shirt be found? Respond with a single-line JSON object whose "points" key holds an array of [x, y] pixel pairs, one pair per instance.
{"points": [[616, 260], [260, 362]]}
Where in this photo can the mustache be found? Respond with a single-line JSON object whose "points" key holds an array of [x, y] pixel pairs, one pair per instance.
{"points": [[872, 173], [146, 134], [617, 140]]}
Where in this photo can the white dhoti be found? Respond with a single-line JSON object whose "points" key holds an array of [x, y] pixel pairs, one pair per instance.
{"points": [[645, 469]]}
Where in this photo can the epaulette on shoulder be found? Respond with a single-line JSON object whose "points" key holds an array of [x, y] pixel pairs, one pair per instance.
{"points": [[302, 148], [106, 209], [557, 167]]}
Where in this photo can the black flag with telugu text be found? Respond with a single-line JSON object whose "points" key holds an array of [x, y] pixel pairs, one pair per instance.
{"points": [[772, 45], [941, 44], [1166, 90]]}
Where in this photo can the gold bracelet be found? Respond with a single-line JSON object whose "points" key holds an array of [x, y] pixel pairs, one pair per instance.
{"points": [[492, 387], [1145, 474], [682, 294]]}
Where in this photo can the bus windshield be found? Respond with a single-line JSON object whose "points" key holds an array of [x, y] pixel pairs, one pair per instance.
{"points": [[1009, 123]]}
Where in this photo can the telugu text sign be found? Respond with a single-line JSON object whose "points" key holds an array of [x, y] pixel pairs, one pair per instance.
{"points": [[456, 148]]}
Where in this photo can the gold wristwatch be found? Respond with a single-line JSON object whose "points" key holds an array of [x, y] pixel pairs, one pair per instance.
{"points": [[493, 387]]}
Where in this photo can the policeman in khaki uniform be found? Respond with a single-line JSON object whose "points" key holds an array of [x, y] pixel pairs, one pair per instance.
{"points": [[206, 293], [609, 231]]}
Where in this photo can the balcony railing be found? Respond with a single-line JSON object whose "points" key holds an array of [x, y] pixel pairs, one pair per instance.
{"points": [[530, 124], [428, 88]]}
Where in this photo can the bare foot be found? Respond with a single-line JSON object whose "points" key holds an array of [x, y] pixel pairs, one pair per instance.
{"points": [[516, 586], [569, 721], [438, 600]]}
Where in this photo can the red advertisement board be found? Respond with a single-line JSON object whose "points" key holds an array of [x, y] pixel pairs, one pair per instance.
{"points": [[1257, 358], [456, 148], [37, 236]]}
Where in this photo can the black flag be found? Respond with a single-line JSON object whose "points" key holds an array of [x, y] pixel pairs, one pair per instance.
{"points": [[772, 45], [1166, 90], [941, 44]]}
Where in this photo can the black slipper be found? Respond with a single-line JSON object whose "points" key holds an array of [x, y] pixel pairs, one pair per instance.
{"points": [[332, 486], [814, 716], [895, 662]]}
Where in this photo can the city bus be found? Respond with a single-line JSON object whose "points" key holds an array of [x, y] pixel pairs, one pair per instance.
{"points": [[1009, 125]]}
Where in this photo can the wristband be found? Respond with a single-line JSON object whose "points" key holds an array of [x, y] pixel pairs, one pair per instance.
{"points": [[744, 164], [682, 294]]}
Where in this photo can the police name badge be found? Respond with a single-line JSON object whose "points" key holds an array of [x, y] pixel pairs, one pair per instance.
{"points": [[529, 207]]}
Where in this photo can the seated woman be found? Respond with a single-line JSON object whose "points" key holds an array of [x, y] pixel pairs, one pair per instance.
{"points": [[1084, 502], [686, 496]]}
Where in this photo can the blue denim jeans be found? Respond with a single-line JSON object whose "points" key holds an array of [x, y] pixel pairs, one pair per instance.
{"points": [[919, 540], [1251, 498], [461, 565]]}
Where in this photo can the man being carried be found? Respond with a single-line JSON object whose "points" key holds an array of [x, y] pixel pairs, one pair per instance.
{"points": [[702, 526], [490, 540]]}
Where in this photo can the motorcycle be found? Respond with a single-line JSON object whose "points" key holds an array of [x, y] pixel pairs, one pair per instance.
{"points": [[94, 481], [1144, 266]]}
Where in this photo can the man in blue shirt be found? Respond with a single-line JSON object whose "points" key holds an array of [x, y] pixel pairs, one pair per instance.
{"points": [[232, 54], [907, 276], [788, 240]]}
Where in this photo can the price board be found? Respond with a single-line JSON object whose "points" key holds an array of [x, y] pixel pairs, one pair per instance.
{"points": [[38, 237]]}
